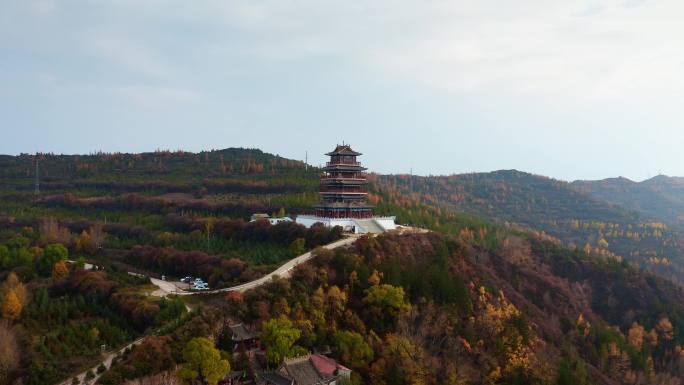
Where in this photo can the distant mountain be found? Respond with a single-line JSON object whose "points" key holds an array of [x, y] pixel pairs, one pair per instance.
{"points": [[562, 210], [661, 197]]}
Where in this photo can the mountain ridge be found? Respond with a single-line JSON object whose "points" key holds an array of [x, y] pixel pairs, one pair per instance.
{"points": [[660, 197]]}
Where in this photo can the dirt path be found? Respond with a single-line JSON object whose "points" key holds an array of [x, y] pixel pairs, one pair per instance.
{"points": [[107, 362], [167, 288]]}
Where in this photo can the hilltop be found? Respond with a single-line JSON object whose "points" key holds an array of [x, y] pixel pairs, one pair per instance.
{"points": [[522, 200], [660, 197]]}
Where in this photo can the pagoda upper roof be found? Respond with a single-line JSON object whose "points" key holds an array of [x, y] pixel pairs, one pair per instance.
{"points": [[343, 149]]}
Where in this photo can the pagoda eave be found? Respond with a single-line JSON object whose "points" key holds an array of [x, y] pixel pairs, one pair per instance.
{"points": [[344, 167]]}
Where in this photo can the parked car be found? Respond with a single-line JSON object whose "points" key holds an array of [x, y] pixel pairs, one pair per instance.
{"points": [[187, 279]]}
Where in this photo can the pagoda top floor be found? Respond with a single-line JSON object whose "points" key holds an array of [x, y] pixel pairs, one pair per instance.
{"points": [[344, 150], [351, 167]]}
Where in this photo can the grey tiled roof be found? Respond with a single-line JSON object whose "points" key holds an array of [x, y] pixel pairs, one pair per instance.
{"points": [[302, 371], [240, 332], [273, 378], [344, 149]]}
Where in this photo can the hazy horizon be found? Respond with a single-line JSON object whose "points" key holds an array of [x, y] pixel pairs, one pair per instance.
{"points": [[571, 90]]}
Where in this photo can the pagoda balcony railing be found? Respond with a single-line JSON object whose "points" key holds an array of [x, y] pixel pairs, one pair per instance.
{"points": [[343, 178], [342, 163], [337, 191]]}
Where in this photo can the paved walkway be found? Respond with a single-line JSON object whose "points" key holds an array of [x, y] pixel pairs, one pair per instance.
{"points": [[107, 362], [166, 288], [283, 271]]}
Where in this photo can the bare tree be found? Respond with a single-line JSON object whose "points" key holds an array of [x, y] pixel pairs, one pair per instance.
{"points": [[9, 353]]}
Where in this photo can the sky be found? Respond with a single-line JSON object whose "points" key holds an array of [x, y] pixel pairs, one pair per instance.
{"points": [[565, 88]]}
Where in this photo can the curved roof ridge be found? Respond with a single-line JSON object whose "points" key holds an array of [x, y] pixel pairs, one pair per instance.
{"points": [[343, 149]]}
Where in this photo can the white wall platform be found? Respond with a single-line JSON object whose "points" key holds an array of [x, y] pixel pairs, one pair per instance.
{"points": [[355, 225]]}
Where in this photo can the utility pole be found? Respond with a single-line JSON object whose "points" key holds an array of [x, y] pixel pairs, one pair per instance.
{"points": [[36, 185], [306, 161], [411, 180]]}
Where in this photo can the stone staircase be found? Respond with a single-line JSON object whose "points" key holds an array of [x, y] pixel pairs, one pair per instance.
{"points": [[369, 225]]}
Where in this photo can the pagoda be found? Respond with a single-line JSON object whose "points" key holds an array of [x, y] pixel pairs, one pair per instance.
{"points": [[343, 186], [343, 196]]}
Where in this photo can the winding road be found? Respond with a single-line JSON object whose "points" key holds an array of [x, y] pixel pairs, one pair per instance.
{"points": [[107, 361], [283, 271], [168, 288]]}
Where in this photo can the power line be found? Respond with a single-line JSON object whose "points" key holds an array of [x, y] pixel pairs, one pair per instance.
{"points": [[36, 186]]}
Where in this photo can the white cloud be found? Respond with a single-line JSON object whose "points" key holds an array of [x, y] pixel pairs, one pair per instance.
{"points": [[565, 50]]}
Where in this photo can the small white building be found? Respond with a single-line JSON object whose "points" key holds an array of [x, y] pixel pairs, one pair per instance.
{"points": [[266, 217]]}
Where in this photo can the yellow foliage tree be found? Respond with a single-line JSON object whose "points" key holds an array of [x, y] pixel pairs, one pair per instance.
{"points": [[11, 306], [60, 271], [665, 329], [13, 283], [635, 336], [375, 278], [84, 243]]}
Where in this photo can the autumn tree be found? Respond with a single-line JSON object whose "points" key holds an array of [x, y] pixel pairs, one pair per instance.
{"points": [[11, 306], [153, 355], [208, 229], [9, 353], [572, 372], [353, 350], [386, 297], [60, 271], [84, 243], [297, 246], [13, 283], [203, 361], [5, 256], [375, 278], [50, 232], [400, 363], [664, 328], [635, 335], [278, 335], [97, 235], [335, 301], [385, 303], [52, 254]]}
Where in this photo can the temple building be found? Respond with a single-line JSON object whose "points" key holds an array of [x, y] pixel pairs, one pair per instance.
{"points": [[343, 196]]}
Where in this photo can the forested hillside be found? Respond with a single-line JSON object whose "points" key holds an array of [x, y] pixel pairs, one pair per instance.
{"points": [[528, 201], [431, 309], [161, 213], [659, 197], [490, 296]]}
